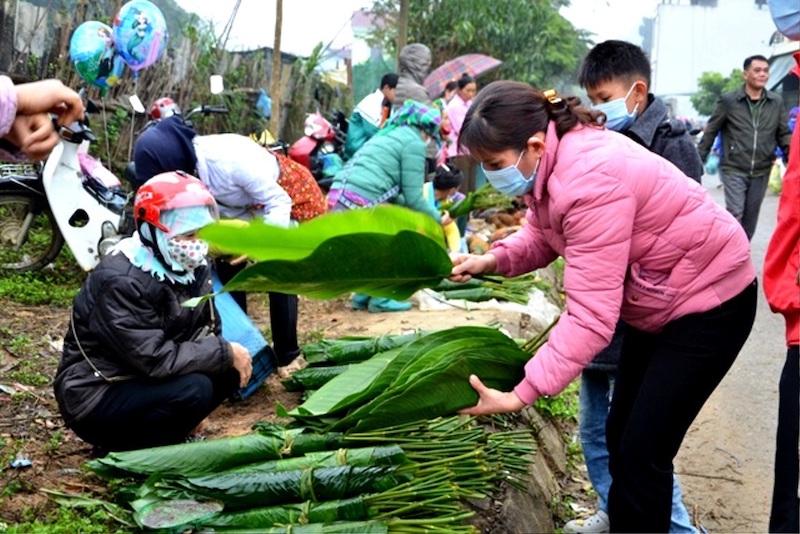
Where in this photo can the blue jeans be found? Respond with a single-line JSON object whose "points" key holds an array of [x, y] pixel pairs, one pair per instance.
{"points": [[596, 390]]}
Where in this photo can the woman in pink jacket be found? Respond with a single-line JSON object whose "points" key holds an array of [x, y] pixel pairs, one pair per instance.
{"points": [[642, 242]]}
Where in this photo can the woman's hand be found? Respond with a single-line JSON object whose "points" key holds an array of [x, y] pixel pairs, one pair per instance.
{"points": [[242, 362], [446, 219], [492, 401], [49, 96], [34, 135], [465, 265]]}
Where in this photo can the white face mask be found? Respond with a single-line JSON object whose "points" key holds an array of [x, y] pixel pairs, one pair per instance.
{"points": [[188, 253]]}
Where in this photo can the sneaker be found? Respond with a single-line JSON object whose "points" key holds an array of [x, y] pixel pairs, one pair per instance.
{"points": [[594, 523], [359, 301], [387, 305]]}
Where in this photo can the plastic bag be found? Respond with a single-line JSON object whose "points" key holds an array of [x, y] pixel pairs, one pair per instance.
{"points": [[775, 183], [712, 164]]}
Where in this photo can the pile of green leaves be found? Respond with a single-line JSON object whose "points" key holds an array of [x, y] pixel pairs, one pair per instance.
{"points": [[486, 196], [407, 478], [424, 379], [487, 287]]}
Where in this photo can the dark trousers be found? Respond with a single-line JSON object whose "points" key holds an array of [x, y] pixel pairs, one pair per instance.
{"points": [[137, 414], [663, 381], [283, 314], [785, 513]]}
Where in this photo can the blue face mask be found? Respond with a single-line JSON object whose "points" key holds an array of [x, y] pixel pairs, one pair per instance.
{"points": [[617, 116], [510, 180]]}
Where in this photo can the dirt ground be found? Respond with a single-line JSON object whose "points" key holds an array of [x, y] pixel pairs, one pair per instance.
{"points": [[31, 428]]}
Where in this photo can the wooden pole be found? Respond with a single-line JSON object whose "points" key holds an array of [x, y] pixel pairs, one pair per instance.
{"points": [[275, 90], [402, 32]]}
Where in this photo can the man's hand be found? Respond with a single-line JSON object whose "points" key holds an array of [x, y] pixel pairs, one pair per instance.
{"points": [[49, 96], [492, 401], [34, 135], [242, 362], [465, 265]]}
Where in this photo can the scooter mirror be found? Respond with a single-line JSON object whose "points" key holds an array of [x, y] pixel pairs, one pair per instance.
{"points": [[217, 85], [136, 104]]}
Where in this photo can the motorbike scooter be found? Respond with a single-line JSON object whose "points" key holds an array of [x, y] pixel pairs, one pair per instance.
{"points": [[89, 216], [321, 148]]}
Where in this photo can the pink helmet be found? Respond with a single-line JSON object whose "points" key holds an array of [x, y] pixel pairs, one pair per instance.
{"points": [[162, 108]]}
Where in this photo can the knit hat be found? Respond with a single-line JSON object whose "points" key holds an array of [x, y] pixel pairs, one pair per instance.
{"points": [[165, 147], [417, 114]]}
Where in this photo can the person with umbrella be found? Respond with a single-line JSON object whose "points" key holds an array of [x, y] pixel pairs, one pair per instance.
{"points": [[456, 111]]}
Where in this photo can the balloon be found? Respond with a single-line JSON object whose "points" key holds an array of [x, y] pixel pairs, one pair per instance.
{"points": [[140, 33], [94, 55]]}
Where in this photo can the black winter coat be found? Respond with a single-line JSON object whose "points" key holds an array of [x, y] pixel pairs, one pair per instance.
{"points": [[132, 326]]}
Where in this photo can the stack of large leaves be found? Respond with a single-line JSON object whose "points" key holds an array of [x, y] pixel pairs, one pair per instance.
{"points": [[487, 287], [415, 487], [486, 196], [425, 379]]}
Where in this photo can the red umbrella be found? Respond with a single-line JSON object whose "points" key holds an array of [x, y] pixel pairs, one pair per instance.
{"points": [[472, 64]]}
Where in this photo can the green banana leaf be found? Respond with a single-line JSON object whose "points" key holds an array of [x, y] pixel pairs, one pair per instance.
{"points": [[308, 512], [197, 458], [314, 484], [262, 242], [340, 527], [374, 264], [352, 387], [362, 456], [312, 377], [351, 349], [175, 513]]}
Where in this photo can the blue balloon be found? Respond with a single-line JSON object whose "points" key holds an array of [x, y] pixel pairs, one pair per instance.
{"points": [[140, 33], [94, 55]]}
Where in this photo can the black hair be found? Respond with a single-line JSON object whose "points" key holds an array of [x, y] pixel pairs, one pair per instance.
{"points": [[757, 57], [389, 79], [465, 80], [505, 114], [611, 60], [446, 178], [452, 85]]}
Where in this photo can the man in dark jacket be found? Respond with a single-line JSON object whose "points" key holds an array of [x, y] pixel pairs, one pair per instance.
{"points": [[753, 122]]}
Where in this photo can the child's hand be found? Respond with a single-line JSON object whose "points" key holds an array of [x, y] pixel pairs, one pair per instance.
{"points": [[49, 96], [465, 265]]}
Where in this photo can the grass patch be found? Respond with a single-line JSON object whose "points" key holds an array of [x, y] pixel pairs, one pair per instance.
{"points": [[55, 285], [563, 406], [61, 520]]}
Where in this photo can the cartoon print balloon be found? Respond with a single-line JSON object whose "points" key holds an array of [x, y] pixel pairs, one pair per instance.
{"points": [[92, 51], [140, 33]]}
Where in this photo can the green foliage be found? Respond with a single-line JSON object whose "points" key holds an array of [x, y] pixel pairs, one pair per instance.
{"points": [[63, 520], [712, 85], [28, 373], [562, 406], [56, 287], [536, 44]]}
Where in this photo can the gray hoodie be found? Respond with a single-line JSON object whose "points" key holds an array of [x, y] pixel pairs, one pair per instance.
{"points": [[413, 65]]}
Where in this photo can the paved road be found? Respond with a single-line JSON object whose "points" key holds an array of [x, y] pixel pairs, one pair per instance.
{"points": [[725, 464]]}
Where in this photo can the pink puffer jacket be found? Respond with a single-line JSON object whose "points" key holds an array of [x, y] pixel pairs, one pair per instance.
{"points": [[640, 239], [8, 111]]}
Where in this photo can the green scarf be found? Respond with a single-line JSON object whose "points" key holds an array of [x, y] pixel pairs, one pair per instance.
{"points": [[418, 115]]}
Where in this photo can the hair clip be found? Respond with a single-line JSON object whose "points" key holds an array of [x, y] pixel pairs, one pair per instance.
{"points": [[550, 95]]}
